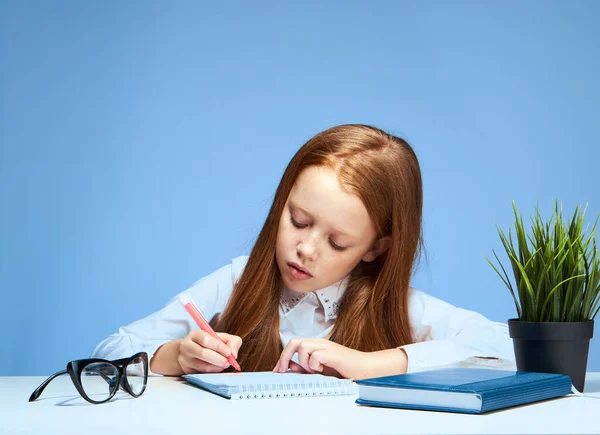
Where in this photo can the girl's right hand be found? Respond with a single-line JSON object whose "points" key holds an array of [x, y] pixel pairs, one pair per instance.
{"points": [[199, 352]]}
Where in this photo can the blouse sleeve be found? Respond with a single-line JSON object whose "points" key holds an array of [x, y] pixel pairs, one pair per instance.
{"points": [[444, 334], [210, 294]]}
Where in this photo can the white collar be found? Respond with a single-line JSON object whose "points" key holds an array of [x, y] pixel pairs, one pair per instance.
{"points": [[328, 296]]}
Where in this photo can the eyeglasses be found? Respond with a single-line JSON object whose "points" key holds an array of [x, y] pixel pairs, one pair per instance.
{"points": [[98, 380]]}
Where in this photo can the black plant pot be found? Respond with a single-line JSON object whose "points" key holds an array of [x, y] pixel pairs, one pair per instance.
{"points": [[552, 347]]}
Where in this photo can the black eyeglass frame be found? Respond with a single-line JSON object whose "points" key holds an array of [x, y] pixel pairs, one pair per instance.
{"points": [[75, 368]]}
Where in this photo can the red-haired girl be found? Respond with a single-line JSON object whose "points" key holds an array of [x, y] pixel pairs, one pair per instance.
{"points": [[326, 286]]}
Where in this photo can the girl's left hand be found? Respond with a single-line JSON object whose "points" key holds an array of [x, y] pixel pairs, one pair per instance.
{"points": [[318, 355]]}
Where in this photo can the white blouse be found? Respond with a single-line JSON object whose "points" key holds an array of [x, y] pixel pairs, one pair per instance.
{"points": [[443, 334]]}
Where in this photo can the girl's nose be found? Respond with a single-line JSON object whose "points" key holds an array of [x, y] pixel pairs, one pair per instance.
{"points": [[307, 249]]}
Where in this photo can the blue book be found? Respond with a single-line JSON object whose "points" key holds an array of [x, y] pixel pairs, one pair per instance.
{"points": [[466, 390]]}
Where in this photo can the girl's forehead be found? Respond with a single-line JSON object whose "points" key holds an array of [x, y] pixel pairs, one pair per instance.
{"points": [[318, 194]]}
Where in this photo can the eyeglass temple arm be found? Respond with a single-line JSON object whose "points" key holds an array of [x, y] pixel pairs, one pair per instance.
{"points": [[38, 391], [110, 380]]}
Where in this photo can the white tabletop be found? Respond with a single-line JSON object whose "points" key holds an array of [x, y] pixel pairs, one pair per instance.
{"points": [[171, 405]]}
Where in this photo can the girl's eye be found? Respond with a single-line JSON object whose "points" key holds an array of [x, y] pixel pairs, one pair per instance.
{"points": [[297, 224], [336, 247]]}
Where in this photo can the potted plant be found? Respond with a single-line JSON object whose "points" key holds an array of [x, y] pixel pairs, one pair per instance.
{"points": [[556, 270]]}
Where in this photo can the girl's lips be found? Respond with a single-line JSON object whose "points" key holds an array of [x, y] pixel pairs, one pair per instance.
{"points": [[298, 273], [300, 268]]}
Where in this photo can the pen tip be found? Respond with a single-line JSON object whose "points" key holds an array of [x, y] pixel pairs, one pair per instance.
{"points": [[183, 298]]}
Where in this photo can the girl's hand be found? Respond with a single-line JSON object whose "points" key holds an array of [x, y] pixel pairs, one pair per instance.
{"points": [[318, 355], [199, 352], [329, 358]]}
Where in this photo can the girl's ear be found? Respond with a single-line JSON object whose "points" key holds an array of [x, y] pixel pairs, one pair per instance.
{"points": [[378, 248]]}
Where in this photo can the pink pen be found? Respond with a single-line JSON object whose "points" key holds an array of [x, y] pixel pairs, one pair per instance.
{"points": [[193, 310]]}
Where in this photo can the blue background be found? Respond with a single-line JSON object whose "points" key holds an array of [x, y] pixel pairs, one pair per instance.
{"points": [[142, 141]]}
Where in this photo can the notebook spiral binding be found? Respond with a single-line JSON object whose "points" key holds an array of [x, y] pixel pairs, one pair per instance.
{"points": [[267, 391]]}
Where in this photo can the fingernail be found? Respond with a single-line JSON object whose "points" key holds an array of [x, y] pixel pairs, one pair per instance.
{"points": [[227, 351]]}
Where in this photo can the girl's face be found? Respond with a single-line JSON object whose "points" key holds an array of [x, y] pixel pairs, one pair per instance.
{"points": [[323, 232]]}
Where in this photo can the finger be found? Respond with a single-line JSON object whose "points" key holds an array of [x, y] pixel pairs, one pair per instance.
{"points": [[288, 352], [325, 362], [205, 357], [304, 356], [328, 371], [212, 357], [295, 367], [193, 351], [317, 360], [208, 341], [194, 365], [198, 366], [232, 341]]}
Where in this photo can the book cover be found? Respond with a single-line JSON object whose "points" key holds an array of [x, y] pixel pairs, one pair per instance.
{"points": [[468, 390]]}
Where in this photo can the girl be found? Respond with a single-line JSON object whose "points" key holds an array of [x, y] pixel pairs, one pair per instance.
{"points": [[326, 286]]}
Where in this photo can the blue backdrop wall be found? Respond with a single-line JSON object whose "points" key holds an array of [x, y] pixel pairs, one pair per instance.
{"points": [[142, 141]]}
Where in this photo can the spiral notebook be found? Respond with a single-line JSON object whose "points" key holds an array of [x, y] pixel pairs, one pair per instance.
{"points": [[267, 385]]}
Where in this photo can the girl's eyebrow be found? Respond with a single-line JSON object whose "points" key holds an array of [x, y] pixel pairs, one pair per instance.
{"points": [[297, 207]]}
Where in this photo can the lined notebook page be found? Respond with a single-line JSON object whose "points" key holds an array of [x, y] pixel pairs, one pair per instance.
{"points": [[267, 385]]}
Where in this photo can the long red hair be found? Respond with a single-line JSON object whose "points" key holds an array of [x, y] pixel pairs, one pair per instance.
{"points": [[383, 171]]}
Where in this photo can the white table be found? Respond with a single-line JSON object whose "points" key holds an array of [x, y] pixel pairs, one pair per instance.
{"points": [[171, 405]]}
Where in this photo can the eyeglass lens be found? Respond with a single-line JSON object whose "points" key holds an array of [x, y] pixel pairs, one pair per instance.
{"points": [[99, 380], [136, 374]]}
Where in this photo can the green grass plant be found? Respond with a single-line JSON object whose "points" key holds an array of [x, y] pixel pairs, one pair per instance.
{"points": [[555, 266]]}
